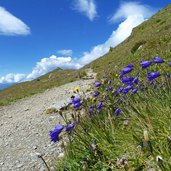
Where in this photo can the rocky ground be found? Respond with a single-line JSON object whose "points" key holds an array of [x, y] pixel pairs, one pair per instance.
{"points": [[25, 126]]}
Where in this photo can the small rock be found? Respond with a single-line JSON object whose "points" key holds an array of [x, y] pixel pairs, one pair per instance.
{"points": [[42, 169], [39, 155], [151, 169], [9, 134], [10, 117], [26, 109], [19, 165], [35, 147], [1, 163], [52, 169], [61, 155], [6, 144]]}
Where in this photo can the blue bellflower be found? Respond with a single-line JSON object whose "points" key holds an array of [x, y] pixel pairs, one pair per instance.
{"points": [[75, 100], [129, 65], [97, 84], [117, 112], [100, 104], [96, 94], [145, 64], [70, 126], [152, 75], [126, 89], [77, 105], [135, 90], [126, 70], [54, 133], [127, 80], [169, 64], [157, 59]]}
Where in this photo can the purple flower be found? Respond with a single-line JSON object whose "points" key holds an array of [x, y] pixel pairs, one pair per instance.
{"points": [[154, 86], [136, 80], [119, 90], [96, 94], [127, 80], [157, 59], [54, 133], [129, 65], [109, 82], [120, 76], [109, 89], [126, 70], [135, 90], [152, 75], [76, 100], [100, 104], [117, 111], [169, 64], [93, 147], [97, 84], [145, 64], [77, 105], [70, 126], [99, 110], [126, 89], [91, 110]]}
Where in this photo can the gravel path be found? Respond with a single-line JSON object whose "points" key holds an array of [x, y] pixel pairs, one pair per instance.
{"points": [[24, 129]]}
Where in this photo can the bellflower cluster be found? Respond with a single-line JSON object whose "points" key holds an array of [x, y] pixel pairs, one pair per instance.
{"points": [[128, 83]]}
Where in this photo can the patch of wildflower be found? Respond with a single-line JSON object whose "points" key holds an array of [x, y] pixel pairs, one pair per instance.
{"points": [[108, 111]]}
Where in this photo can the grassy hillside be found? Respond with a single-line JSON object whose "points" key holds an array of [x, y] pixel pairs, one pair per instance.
{"points": [[148, 39], [153, 37], [126, 125], [55, 78]]}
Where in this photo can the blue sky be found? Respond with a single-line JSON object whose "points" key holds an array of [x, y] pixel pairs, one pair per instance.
{"points": [[38, 36]]}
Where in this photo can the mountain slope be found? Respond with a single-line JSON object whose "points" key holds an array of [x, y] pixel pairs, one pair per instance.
{"points": [[55, 78], [148, 39]]}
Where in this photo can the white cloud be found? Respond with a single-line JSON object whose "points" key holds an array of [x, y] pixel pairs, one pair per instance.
{"points": [[42, 67], [86, 7], [11, 25], [48, 64], [12, 78], [133, 18], [130, 9], [65, 52]]}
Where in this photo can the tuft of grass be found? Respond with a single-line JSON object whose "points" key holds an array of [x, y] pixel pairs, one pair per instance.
{"points": [[51, 110]]}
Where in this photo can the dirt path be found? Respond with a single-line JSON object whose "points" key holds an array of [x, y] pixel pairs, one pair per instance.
{"points": [[24, 129]]}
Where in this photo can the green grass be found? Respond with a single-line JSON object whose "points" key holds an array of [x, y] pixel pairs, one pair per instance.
{"points": [[136, 139]]}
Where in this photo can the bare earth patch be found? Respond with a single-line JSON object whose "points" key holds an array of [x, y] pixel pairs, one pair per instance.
{"points": [[25, 126]]}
